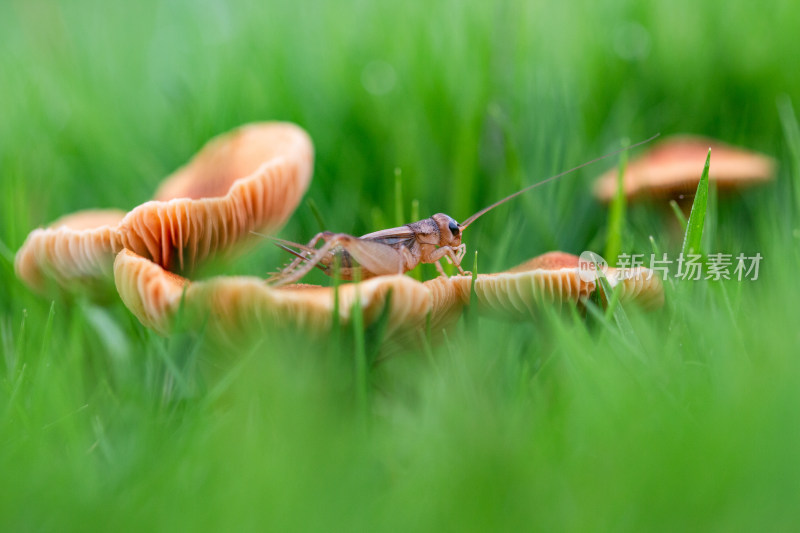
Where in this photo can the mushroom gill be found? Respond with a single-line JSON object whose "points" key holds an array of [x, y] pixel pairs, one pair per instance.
{"points": [[553, 279]]}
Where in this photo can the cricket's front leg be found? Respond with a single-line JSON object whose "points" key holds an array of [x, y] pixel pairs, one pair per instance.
{"points": [[453, 254], [461, 251]]}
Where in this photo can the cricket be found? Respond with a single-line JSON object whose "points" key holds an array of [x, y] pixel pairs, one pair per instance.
{"points": [[395, 250]]}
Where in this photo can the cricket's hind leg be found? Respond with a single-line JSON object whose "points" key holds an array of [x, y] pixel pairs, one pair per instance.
{"points": [[308, 249], [373, 258], [302, 252]]}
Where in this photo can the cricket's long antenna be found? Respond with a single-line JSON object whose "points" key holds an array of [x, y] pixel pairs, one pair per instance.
{"points": [[485, 210]]}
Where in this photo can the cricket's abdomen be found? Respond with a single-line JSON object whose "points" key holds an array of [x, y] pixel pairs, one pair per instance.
{"points": [[348, 266]]}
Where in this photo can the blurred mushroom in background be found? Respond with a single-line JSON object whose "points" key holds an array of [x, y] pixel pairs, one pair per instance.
{"points": [[672, 169], [669, 173]]}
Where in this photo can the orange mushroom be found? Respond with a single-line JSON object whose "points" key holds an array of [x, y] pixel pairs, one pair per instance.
{"points": [[250, 179], [553, 279], [673, 167], [236, 308], [74, 248]]}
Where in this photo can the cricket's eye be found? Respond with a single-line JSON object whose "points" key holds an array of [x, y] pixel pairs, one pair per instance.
{"points": [[453, 227]]}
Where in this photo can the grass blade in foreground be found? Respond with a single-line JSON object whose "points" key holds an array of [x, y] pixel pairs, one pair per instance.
{"points": [[694, 228], [471, 312], [614, 310], [361, 365], [678, 214], [616, 218], [399, 218]]}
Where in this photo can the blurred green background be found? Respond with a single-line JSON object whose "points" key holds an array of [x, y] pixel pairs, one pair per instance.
{"points": [[688, 421]]}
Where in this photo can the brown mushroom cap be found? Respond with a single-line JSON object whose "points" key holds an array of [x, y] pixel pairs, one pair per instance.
{"points": [[673, 167], [235, 308], [250, 179], [548, 261]]}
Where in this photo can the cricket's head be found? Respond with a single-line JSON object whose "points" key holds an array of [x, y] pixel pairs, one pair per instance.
{"points": [[449, 230]]}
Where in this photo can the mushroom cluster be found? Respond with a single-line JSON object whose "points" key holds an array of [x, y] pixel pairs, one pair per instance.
{"points": [[251, 179], [235, 309]]}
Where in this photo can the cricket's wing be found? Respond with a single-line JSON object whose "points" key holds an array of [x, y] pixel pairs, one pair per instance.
{"points": [[402, 235]]}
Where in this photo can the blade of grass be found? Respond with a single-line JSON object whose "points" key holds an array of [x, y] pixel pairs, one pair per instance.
{"points": [[694, 228], [377, 331], [414, 209], [361, 367], [22, 332], [679, 214], [48, 330], [336, 319], [427, 340], [654, 245], [471, 312], [595, 311], [616, 217], [7, 345], [399, 217], [174, 373], [611, 296]]}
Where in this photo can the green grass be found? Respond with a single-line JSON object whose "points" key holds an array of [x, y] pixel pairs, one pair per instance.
{"points": [[616, 212], [685, 419], [697, 217]]}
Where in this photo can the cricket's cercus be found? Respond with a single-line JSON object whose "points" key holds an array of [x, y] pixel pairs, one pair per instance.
{"points": [[394, 250]]}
